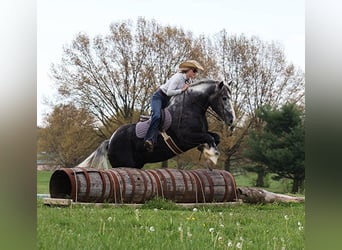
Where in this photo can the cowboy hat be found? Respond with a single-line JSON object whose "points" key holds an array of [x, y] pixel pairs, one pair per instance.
{"points": [[190, 64]]}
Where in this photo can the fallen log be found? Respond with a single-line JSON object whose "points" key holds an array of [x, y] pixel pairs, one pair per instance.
{"points": [[255, 195]]}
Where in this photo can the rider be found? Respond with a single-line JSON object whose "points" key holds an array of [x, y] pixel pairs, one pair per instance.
{"points": [[177, 84]]}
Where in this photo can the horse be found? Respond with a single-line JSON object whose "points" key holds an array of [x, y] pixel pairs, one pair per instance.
{"points": [[186, 127]]}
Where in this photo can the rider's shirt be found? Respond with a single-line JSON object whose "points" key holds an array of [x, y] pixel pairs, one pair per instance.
{"points": [[174, 85]]}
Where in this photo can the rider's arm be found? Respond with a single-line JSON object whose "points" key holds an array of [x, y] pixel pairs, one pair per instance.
{"points": [[175, 84]]}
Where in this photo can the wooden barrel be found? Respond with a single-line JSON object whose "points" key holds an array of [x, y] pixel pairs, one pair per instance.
{"points": [[174, 184], [190, 186], [215, 186], [130, 185], [124, 185]]}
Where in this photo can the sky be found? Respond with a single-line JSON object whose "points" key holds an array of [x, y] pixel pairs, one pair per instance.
{"points": [[58, 22]]}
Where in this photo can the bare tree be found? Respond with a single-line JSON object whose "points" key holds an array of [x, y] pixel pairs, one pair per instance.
{"points": [[261, 75], [114, 76]]}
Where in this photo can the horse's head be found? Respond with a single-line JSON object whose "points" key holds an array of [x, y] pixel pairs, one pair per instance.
{"points": [[221, 103]]}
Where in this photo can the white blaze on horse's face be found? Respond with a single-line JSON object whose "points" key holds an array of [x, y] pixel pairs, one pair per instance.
{"points": [[229, 113]]}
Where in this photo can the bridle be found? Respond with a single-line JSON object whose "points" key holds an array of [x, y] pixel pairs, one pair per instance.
{"points": [[209, 110]]}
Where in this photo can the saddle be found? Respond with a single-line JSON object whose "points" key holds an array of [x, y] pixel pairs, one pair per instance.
{"points": [[144, 123]]}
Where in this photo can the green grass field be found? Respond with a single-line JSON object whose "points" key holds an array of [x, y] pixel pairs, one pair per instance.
{"points": [[161, 224]]}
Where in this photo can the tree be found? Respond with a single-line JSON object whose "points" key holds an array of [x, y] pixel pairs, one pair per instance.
{"points": [[280, 145], [68, 136], [113, 76], [261, 76]]}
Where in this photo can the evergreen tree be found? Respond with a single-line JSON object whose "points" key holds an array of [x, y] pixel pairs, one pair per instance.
{"points": [[280, 144]]}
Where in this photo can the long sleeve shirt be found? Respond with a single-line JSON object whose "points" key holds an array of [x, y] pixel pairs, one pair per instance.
{"points": [[174, 85]]}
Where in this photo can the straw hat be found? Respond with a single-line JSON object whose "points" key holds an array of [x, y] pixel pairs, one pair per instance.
{"points": [[189, 64]]}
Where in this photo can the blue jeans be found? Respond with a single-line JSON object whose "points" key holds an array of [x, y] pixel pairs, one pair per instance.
{"points": [[158, 102]]}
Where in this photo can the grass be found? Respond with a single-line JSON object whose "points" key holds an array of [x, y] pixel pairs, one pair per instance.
{"points": [[43, 179], [160, 224], [271, 226]]}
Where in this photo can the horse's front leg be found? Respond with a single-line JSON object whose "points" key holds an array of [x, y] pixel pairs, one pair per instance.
{"points": [[212, 140], [209, 148], [215, 137]]}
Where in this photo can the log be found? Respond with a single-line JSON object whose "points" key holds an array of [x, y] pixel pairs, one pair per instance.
{"points": [[255, 195]]}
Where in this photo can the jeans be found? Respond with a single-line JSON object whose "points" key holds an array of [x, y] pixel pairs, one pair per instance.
{"points": [[158, 102]]}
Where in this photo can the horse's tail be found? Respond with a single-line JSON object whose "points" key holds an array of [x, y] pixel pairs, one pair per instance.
{"points": [[98, 159]]}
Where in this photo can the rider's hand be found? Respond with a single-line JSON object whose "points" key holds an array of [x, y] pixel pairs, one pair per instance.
{"points": [[185, 87]]}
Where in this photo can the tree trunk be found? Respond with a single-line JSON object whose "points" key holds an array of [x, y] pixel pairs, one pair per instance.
{"points": [[254, 195], [227, 164], [260, 178], [296, 185], [261, 173]]}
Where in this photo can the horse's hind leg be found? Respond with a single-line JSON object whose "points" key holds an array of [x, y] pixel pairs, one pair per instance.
{"points": [[121, 150]]}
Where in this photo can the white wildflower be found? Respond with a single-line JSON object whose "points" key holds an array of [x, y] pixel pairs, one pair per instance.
{"points": [[109, 218], [195, 209], [188, 233], [230, 243], [152, 229], [239, 245], [211, 230], [286, 217]]}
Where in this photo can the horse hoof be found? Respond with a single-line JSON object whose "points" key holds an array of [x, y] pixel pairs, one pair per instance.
{"points": [[148, 146]]}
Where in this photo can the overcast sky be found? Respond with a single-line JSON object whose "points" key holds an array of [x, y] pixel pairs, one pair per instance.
{"points": [[59, 21]]}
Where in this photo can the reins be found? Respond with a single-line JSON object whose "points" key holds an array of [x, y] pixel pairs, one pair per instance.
{"points": [[209, 110]]}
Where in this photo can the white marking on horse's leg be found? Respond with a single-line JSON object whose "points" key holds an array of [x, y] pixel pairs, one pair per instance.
{"points": [[211, 154]]}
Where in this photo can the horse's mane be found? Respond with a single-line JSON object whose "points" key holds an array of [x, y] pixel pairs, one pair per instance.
{"points": [[194, 85], [202, 81]]}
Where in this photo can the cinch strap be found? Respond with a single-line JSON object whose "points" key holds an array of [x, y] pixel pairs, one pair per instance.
{"points": [[171, 144]]}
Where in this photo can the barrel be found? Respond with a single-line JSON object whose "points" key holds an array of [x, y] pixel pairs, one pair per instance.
{"points": [[124, 185], [130, 185], [174, 184], [189, 186]]}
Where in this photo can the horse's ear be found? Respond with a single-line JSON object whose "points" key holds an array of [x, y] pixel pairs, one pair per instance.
{"points": [[221, 85]]}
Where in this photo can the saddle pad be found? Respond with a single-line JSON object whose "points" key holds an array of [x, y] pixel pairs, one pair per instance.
{"points": [[142, 127]]}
